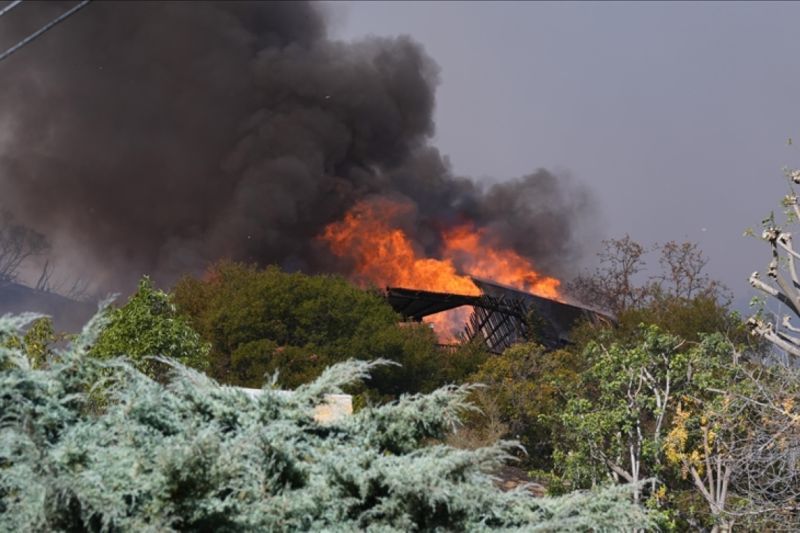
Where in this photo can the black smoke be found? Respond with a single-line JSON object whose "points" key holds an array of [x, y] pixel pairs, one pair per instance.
{"points": [[158, 137]]}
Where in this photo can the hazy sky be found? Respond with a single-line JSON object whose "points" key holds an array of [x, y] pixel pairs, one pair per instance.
{"points": [[676, 115]]}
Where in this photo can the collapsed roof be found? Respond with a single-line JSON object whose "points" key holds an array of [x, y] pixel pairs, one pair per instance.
{"points": [[501, 315]]}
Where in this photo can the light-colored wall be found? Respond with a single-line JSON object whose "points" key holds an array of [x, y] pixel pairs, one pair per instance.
{"points": [[336, 406]]}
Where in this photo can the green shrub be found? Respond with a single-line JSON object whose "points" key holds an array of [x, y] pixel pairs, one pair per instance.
{"points": [[193, 455], [260, 320], [148, 325]]}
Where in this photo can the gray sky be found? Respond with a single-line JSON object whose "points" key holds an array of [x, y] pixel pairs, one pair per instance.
{"points": [[676, 115]]}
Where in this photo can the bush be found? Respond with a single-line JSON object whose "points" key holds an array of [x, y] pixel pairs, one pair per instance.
{"points": [[194, 455], [259, 321], [526, 389], [149, 325]]}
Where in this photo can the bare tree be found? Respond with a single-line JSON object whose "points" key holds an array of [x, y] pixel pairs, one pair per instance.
{"points": [[768, 469], [17, 244], [683, 272], [612, 285], [76, 289], [768, 458], [44, 283], [617, 284], [79, 290], [786, 291]]}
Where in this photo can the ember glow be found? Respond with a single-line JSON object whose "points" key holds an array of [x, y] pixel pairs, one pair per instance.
{"points": [[383, 254]]}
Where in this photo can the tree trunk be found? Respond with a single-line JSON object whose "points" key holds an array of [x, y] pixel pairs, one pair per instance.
{"points": [[722, 526]]}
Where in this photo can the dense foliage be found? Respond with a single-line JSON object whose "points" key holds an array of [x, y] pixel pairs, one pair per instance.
{"points": [[148, 325], [656, 396], [526, 386], [192, 455], [36, 342], [262, 321], [616, 421]]}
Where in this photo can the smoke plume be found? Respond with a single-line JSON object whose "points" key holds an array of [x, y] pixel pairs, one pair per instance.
{"points": [[158, 137]]}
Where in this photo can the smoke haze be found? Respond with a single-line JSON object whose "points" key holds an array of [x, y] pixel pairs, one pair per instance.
{"points": [[158, 137]]}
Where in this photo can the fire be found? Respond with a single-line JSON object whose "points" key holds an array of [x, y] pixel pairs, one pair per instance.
{"points": [[502, 265], [382, 253], [448, 324]]}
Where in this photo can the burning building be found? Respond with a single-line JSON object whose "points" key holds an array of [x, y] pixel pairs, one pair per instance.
{"points": [[495, 303], [500, 316]]}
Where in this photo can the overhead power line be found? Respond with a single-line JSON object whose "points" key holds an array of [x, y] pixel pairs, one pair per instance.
{"points": [[40, 31], [9, 7]]}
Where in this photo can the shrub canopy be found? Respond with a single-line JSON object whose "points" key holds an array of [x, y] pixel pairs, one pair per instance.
{"points": [[259, 321], [195, 455]]}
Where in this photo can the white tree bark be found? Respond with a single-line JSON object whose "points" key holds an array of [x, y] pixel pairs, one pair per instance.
{"points": [[784, 260]]}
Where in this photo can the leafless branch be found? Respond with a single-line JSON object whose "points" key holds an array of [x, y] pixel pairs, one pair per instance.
{"points": [[43, 283], [18, 243]]}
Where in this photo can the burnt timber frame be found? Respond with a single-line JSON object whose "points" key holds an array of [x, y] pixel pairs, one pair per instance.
{"points": [[500, 323], [500, 315]]}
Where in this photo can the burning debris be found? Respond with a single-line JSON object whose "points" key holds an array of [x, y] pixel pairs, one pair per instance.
{"points": [[380, 252], [499, 316]]}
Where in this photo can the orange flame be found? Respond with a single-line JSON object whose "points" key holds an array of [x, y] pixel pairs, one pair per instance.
{"points": [[473, 253], [383, 254]]}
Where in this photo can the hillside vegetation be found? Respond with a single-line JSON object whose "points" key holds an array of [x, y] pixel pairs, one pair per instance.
{"points": [[675, 418]]}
